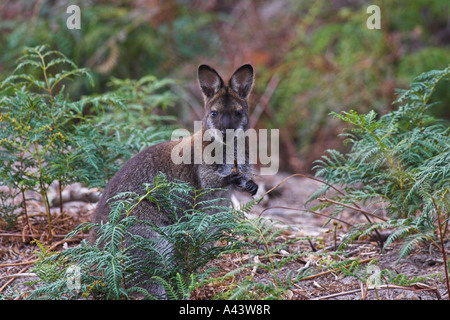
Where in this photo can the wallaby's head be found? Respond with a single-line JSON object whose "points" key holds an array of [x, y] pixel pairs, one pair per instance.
{"points": [[226, 107]]}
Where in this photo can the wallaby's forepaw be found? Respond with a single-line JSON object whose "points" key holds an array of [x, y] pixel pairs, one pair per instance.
{"points": [[240, 180], [235, 178], [251, 187]]}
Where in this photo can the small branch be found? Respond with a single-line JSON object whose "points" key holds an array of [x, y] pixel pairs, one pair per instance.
{"points": [[414, 287], [60, 197], [53, 246], [24, 200], [442, 247], [333, 270], [195, 105], [16, 275], [364, 212], [12, 279], [304, 176], [337, 294], [351, 207], [264, 100], [306, 210], [33, 236], [36, 260], [18, 263]]}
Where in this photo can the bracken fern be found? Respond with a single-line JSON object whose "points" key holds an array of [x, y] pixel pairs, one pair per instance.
{"points": [[399, 161], [47, 137], [109, 270]]}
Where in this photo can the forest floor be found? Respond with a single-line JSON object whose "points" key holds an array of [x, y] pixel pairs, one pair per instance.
{"points": [[419, 276]]}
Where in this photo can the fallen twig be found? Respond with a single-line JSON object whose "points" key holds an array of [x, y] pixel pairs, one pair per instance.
{"points": [[52, 247], [416, 287], [306, 210], [304, 176], [12, 279], [30, 262], [32, 236], [332, 270], [18, 263], [442, 247], [16, 275]]}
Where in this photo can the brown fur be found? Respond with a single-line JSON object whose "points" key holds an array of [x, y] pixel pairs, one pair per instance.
{"points": [[230, 111]]}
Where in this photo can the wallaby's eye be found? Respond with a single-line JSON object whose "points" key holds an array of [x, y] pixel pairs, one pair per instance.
{"points": [[238, 113], [213, 114]]}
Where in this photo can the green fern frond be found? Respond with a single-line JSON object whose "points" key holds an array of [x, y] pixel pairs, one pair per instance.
{"points": [[400, 158]]}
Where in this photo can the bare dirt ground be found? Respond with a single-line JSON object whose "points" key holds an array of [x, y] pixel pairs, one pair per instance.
{"points": [[419, 276]]}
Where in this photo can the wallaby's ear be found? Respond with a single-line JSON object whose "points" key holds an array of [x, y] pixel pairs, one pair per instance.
{"points": [[209, 80], [242, 80]]}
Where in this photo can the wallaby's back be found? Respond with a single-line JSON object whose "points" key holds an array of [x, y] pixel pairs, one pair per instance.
{"points": [[141, 169]]}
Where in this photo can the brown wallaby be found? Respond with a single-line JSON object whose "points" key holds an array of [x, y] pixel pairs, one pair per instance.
{"points": [[226, 107]]}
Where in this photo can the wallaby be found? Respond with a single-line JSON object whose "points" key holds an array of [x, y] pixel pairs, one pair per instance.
{"points": [[226, 107]]}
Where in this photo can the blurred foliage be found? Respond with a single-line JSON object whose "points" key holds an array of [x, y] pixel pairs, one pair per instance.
{"points": [[335, 63], [46, 137], [311, 57], [116, 37]]}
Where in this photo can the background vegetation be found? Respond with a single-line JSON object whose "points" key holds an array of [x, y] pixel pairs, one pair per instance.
{"points": [[311, 57], [75, 104]]}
